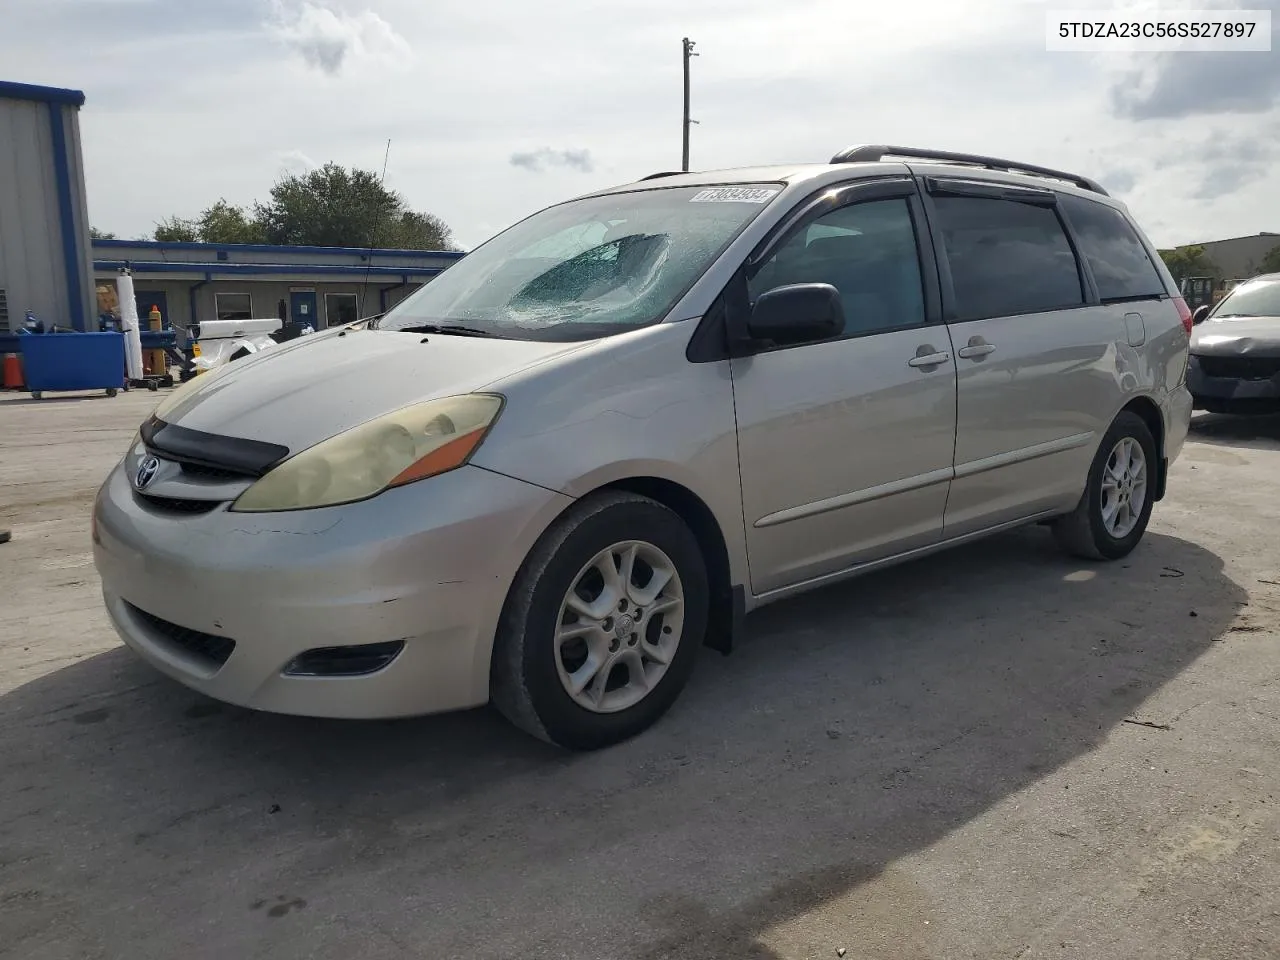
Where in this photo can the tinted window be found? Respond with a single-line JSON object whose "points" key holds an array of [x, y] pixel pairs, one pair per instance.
{"points": [[1007, 257], [1120, 263], [867, 251]]}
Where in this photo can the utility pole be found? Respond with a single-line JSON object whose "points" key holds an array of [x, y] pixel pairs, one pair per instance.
{"points": [[687, 45]]}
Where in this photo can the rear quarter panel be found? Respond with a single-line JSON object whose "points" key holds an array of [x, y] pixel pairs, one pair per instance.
{"points": [[1167, 353]]}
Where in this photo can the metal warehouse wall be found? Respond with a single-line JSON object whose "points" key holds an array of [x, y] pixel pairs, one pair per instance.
{"points": [[45, 258], [1241, 257]]}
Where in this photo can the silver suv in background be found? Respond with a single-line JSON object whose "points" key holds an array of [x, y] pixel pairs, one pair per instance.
{"points": [[551, 475]]}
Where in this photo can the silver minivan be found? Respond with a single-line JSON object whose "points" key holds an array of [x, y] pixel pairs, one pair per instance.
{"points": [[554, 473]]}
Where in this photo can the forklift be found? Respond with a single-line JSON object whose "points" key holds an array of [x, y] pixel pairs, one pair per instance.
{"points": [[1200, 292]]}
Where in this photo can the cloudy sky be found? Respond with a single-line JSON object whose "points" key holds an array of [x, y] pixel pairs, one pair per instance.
{"points": [[495, 108]]}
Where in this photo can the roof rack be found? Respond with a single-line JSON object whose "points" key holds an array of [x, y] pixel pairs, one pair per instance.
{"points": [[664, 173], [862, 154]]}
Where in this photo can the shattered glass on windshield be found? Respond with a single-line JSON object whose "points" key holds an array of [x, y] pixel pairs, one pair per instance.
{"points": [[584, 269]]}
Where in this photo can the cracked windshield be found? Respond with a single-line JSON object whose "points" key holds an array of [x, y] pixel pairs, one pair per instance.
{"points": [[586, 269]]}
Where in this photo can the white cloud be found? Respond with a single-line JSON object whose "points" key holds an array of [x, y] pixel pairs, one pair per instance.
{"points": [[246, 94], [328, 39], [538, 160], [295, 162]]}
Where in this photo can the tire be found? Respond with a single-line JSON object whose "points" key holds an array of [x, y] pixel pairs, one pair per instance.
{"points": [[111, 391], [1085, 532], [531, 671], [36, 394]]}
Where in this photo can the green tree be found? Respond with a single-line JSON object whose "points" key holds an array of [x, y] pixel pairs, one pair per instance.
{"points": [[221, 223], [1191, 261], [225, 223], [177, 230], [1271, 262], [332, 206], [96, 234], [414, 231]]}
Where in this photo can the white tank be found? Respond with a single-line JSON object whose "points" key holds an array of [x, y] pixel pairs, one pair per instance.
{"points": [[233, 329], [220, 340]]}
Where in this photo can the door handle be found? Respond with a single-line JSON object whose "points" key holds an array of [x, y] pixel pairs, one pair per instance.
{"points": [[929, 359], [975, 351]]}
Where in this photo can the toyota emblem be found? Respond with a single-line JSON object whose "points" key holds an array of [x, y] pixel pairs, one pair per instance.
{"points": [[146, 472]]}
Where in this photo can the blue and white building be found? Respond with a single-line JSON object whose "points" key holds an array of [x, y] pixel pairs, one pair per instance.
{"points": [[322, 286], [49, 266]]}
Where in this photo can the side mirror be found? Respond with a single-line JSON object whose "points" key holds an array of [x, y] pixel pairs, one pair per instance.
{"points": [[799, 313], [1198, 317]]}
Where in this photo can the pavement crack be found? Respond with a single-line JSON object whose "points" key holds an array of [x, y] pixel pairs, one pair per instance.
{"points": [[1147, 723]]}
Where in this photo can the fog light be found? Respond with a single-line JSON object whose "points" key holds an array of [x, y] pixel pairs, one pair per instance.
{"points": [[344, 661]]}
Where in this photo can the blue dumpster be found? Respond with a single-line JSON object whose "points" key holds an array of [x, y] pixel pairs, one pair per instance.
{"points": [[73, 361]]}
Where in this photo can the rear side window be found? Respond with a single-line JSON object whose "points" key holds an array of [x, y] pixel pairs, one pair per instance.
{"points": [[1006, 257], [1120, 263]]}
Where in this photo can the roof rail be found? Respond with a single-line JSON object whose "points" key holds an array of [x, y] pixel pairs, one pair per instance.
{"points": [[861, 154], [664, 173]]}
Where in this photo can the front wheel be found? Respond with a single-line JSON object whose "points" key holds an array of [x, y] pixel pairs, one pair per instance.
{"points": [[602, 624], [1113, 512]]}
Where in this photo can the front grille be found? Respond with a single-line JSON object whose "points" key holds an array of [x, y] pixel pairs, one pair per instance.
{"points": [[202, 472], [1240, 368], [176, 504], [203, 646], [344, 661]]}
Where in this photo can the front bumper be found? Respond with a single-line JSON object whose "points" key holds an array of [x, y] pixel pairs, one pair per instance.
{"points": [[1234, 382], [428, 564]]}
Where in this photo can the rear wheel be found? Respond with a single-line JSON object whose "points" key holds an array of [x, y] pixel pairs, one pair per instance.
{"points": [[603, 623], [1113, 512]]}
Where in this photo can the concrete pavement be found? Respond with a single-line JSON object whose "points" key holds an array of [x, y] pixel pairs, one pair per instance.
{"points": [[997, 752]]}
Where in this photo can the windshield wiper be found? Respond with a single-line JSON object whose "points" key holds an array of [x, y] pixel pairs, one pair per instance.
{"points": [[449, 329]]}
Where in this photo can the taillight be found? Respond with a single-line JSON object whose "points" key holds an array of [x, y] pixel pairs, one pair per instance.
{"points": [[1184, 312]]}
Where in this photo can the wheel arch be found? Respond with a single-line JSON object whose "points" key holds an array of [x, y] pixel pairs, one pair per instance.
{"points": [[1149, 411], [727, 599]]}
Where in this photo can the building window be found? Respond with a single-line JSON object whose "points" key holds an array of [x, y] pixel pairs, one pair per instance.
{"points": [[233, 306], [340, 308]]}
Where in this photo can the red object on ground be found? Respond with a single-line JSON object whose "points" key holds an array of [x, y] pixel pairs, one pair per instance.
{"points": [[13, 372]]}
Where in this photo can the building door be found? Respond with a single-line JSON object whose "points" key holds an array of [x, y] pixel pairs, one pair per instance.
{"points": [[302, 308], [145, 300]]}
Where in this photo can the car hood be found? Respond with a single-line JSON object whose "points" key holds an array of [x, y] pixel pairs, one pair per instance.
{"points": [[314, 387], [1237, 336]]}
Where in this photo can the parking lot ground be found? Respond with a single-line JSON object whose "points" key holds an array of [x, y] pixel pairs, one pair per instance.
{"points": [[993, 753]]}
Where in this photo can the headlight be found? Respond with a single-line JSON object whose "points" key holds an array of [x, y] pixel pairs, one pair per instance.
{"points": [[416, 442]]}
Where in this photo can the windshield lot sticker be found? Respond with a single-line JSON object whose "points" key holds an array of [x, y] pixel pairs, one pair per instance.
{"points": [[735, 195]]}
